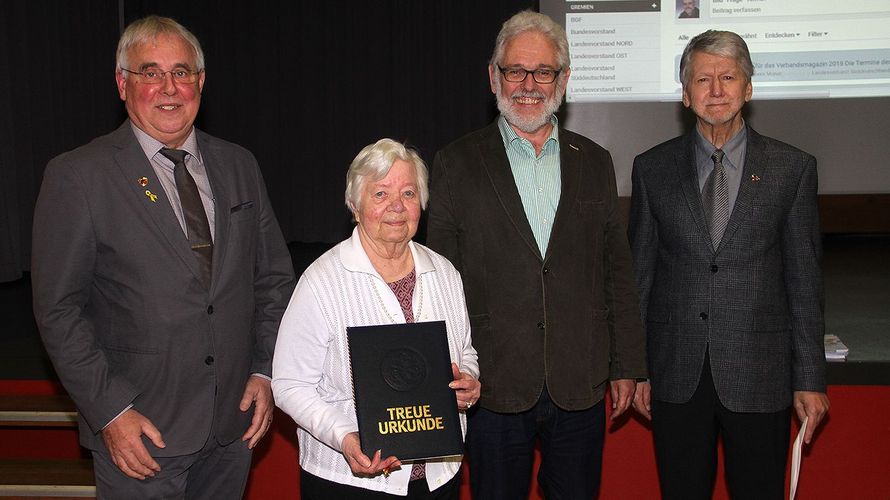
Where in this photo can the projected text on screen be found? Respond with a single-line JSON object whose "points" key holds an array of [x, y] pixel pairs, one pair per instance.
{"points": [[629, 50]]}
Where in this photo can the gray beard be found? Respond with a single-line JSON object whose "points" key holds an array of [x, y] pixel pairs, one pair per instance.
{"points": [[534, 123]]}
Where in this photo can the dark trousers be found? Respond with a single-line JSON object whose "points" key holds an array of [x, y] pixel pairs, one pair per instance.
{"points": [[214, 473], [501, 447], [755, 447], [315, 488]]}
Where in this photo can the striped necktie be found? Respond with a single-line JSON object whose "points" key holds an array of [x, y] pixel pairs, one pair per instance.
{"points": [[715, 199]]}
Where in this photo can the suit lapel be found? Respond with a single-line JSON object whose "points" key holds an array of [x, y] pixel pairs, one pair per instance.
{"points": [[755, 159], [215, 166], [684, 162], [131, 160], [570, 179], [497, 167]]}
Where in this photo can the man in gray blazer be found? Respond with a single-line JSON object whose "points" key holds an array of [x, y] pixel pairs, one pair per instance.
{"points": [[527, 212], [160, 330], [724, 230]]}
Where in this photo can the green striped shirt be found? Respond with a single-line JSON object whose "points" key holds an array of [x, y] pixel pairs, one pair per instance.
{"points": [[537, 178]]}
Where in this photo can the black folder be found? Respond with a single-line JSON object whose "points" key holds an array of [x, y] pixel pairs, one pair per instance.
{"points": [[400, 376]]}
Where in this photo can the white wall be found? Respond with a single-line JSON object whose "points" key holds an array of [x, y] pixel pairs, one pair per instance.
{"points": [[850, 138]]}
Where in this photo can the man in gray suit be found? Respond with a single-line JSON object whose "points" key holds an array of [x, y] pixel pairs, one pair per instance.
{"points": [[527, 212], [160, 275], [724, 230]]}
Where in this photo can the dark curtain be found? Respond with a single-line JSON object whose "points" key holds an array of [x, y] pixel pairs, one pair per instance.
{"points": [[56, 92], [303, 85]]}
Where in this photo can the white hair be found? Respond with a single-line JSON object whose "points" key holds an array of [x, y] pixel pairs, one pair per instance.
{"points": [[374, 162]]}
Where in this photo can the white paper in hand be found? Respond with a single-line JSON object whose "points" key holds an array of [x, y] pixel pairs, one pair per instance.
{"points": [[796, 451]]}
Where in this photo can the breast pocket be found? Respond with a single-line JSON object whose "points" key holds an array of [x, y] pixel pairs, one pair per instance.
{"points": [[243, 231], [591, 216], [766, 218], [242, 211], [591, 206]]}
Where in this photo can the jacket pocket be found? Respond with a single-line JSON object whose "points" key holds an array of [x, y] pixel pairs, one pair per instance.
{"points": [[242, 206], [589, 206]]}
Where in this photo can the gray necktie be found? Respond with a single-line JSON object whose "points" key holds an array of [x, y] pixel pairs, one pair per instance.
{"points": [[193, 211], [715, 199]]}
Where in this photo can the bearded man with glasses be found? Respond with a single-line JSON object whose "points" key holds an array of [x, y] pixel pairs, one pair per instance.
{"points": [[527, 211], [160, 276]]}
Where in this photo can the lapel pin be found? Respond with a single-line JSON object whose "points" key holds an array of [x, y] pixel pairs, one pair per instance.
{"points": [[143, 181], [151, 196], [755, 178], [574, 147]]}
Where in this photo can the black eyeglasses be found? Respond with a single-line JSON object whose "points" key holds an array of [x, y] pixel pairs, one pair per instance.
{"points": [[155, 75], [519, 74]]}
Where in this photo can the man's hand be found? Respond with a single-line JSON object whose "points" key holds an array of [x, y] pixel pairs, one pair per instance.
{"points": [[123, 438], [810, 404], [257, 392], [622, 394], [466, 388], [360, 463], [643, 399]]}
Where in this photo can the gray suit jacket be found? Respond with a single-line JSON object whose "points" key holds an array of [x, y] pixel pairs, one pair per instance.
{"points": [[117, 299], [569, 318], [756, 302]]}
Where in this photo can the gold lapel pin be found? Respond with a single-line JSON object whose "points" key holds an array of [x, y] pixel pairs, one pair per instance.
{"points": [[151, 196], [143, 181], [574, 147], [755, 178]]}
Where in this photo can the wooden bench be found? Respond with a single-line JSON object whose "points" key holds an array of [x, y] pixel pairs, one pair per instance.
{"points": [[35, 478]]}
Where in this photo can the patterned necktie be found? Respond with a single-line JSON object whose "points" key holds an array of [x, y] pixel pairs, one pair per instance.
{"points": [[193, 211], [715, 199]]}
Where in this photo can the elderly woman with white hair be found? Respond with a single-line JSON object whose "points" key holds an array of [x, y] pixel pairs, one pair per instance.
{"points": [[377, 276]]}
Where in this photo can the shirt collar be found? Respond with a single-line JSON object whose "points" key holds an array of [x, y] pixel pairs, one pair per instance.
{"points": [[510, 136], [151, 146], [734, 149], [354, 258]]}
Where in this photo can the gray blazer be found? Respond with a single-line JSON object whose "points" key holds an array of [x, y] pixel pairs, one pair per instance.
{"points": [[117, 299], [569, 318], [756, 302]]}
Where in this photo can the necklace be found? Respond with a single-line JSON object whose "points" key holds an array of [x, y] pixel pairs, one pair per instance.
{"points": [[395, 319]]}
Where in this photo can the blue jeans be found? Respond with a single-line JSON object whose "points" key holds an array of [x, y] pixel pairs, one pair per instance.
{"points": [[501, 446]]}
